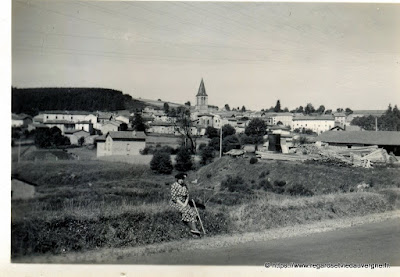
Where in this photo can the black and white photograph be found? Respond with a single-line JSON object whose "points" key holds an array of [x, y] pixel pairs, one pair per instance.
{"points": [[215, 135]]}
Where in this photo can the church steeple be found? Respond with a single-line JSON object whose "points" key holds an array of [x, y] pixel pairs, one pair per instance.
{"points": [[202, 98], [202, 89]]}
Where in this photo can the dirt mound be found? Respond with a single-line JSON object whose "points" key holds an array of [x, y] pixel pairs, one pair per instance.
{"points": [[213, 174]]}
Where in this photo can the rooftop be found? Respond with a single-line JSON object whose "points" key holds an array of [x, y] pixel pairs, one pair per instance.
{"points": [[127, 135], [361, 137]]}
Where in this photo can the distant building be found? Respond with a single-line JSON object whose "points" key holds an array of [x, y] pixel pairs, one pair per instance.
{"points": [[389, 140], [20, 120], [123, 143], [75, 135], [201, 99], [285, 119], [317, 124]]}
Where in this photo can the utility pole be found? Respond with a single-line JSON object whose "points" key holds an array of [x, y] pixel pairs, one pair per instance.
{"points": [[220, 142]]}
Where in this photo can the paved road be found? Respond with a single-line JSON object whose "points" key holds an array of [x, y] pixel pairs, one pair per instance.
{"points": [[369, 243]]}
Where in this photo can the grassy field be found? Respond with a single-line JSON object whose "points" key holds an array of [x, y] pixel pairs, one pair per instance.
{"points": [[91, 204]]}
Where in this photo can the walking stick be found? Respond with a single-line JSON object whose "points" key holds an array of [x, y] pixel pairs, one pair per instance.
{"points": [[201, 223]]}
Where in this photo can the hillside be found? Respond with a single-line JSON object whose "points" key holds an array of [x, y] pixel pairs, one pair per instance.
{"points": [[33, 100]]}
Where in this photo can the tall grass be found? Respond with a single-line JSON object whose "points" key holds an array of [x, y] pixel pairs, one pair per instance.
{"points": [[84, 205]]}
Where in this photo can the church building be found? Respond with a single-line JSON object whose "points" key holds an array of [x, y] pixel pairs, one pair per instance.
{"points": [[201, 99]]}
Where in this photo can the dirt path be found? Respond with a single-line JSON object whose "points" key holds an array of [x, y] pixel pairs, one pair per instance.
{"points": [[136, 255]]}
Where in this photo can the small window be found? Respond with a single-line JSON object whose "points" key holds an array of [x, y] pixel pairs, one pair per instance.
{"points": [[56, 117]]}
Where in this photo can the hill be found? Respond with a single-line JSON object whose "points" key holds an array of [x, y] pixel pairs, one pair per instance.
{"points": [[33, 100]]}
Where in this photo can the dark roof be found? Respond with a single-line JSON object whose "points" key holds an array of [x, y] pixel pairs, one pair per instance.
{"points": [[202, 89], [308, 117], [127, 135], [20, 116], [161, 123], [361, 137], [74, 131], [68, 112], [62, 121]]}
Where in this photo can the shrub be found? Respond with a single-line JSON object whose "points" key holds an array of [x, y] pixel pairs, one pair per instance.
{"points": [[161, 162], [235, 184], [184, 160], [264, 173], [207, 155], [147, 151], [301, 190], [279, 183], [202, 146], [253, 160], [278, 190], [265, 185]]}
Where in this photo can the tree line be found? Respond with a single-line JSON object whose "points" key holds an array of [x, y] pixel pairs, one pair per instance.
{"points": [[389, 121], [33, 100]]}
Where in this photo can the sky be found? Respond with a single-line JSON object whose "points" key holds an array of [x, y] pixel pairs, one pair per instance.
{"points": [[251, 54]]}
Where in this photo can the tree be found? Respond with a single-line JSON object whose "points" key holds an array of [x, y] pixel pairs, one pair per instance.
{"points": [[256, 129], [187, 104], [211, 132], [277, 108], [309, 109], [230, 142], [184, 160], [81, 141], [321, 109], [138, 124], [300, 109], [123, 127], [227, 107], [286, 110], [328, 112], [348, 111], [214, 143], [50, 138], [228, 130], [243, 109], [166, 108], [183, 126], [207, 155], [172, 112], [161, 162], [365, 122], [339, 110]]}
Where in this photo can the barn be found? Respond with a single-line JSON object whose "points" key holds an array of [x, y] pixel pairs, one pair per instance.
{"points": [[389, 140]]}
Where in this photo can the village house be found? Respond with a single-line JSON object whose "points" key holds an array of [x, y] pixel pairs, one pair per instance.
{"points": [[109, 126], [122, 118], [69, 120], [20, 120], [317, 124], [285, 119], [75, 135], [161, 127], [340, 119], [389, 140], [123, 143]]}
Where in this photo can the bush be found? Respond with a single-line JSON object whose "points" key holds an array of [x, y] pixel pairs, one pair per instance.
{"points": [[253, 160], [279, 183], [207, 155], [265, 185], [235, 184], [184, 160], [264, 173], [161, 162], [301, 190]]}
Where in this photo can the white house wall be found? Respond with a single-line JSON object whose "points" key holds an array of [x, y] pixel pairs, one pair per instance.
{"points": [[317, 126]]}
